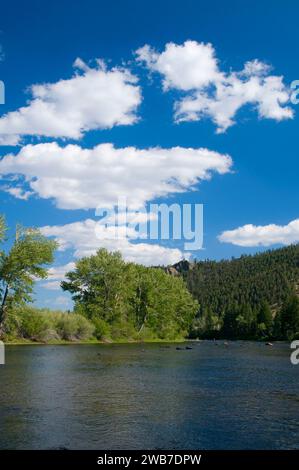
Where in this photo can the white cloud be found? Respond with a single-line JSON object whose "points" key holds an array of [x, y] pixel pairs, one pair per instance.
{"points": [[18, 193], [78, 178], [51, 285], [86, 237], [62, 301], [184, 67], [193, 68], [95, 98], [130, 217], [263, 235], [56, 274]]}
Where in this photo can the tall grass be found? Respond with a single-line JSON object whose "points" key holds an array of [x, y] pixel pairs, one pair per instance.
{"points": [[46, 325]]}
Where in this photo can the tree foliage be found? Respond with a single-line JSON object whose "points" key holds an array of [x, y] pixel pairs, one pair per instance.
{"points": [[25, 261], [129, 300], [287, 320]]}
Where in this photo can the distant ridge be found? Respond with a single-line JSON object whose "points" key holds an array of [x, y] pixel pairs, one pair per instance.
{"points": [[268, 276]]}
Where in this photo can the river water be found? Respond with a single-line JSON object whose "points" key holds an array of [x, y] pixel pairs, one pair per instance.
{"points": [[243, 395]]}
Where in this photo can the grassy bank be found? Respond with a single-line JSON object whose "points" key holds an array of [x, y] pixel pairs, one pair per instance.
{"points": [[28, 325], [25, 342]]}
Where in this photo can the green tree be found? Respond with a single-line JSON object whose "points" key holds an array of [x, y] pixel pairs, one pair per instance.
{"points": [[21, 265], [245, 322], [264, 320], [206, 324], [128, 300], [229, 329], [96, 285], [289, 317]]}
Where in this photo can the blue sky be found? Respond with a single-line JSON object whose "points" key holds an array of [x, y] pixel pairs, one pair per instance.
{"points": [[40, 43]]}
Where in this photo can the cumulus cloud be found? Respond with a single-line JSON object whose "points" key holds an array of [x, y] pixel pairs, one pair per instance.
{"points": [[87, 236], [18, 193], [263, 235], [94, 98], [56, 274], [78, 178], [184, 67], [193, 69]]}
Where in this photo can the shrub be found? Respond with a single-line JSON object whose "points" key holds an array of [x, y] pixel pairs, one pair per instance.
{"points": [[34, 324], [123, 330], [12, 326], [46, 325], [72, 327], [85, 328], [102, 329]]}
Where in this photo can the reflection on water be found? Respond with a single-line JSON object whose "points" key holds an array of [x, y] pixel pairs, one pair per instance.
{"points": [[149, 396]]}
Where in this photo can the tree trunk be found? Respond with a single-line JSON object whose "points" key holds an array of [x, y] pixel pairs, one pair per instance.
{"points": [[144, 320], [2, 311]]}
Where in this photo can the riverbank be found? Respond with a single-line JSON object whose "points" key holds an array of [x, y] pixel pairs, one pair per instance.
{"points": [[222, 341], [25, 342]]}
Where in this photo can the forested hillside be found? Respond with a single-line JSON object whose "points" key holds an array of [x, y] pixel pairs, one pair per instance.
{"points": [[269, 276], [244, 297]]}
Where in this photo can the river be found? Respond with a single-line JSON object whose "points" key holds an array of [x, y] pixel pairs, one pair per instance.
{"points": [[243, 395]]}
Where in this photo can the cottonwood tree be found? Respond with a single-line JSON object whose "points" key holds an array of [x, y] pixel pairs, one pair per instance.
{"points": [[21, 265], [126, 298]]}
